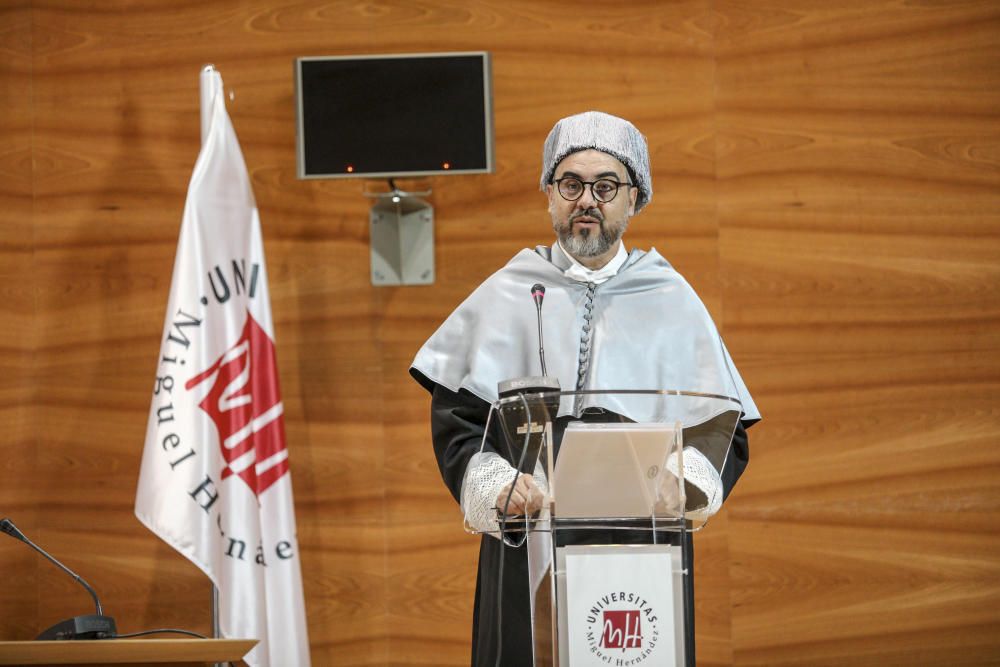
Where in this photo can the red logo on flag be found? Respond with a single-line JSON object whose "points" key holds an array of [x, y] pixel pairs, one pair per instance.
{"points": [[622, 630], [245, 404]]}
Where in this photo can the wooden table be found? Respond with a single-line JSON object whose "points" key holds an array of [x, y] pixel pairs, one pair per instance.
{"points": [[144, 652]]}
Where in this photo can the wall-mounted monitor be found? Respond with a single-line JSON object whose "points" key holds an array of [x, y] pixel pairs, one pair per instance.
{"points": [[394, 115]]}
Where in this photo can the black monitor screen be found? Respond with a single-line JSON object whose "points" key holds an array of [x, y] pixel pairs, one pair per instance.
{"points": [[384, 116]]}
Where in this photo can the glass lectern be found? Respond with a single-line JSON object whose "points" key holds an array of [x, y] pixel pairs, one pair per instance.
{"points": [[626, 475]]}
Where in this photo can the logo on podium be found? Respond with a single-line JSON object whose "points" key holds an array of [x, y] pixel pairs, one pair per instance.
{"points": [[614, 628], [622, 629], [619, 607]]}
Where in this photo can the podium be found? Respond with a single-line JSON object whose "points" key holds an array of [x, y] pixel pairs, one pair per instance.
{"points": [[627, 476], [120, 652]]}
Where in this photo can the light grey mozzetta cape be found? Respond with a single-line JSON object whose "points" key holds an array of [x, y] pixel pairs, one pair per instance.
{"points": [[644, 328]]}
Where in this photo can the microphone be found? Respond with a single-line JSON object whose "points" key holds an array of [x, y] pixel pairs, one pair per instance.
{"points": [[538, 293], [517, 419], [534, 383], [527, 430], [89, 626]]}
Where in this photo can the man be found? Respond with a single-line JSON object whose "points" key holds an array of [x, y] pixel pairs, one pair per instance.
{"points": [[613, 320]]}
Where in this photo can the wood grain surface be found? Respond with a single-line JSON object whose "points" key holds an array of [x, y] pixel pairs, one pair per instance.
{"points": [[859, 217], [127, 652], [18, 446], [827, 176]]}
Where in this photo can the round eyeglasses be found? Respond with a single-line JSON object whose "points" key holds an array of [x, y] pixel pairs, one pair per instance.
{"points": [[603, 189]]}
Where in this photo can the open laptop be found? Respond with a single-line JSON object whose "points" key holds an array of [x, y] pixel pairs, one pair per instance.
{"points": [[616, 470]]}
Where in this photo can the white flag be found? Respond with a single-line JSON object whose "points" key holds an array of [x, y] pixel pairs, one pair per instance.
{"points": [[214, 482]]}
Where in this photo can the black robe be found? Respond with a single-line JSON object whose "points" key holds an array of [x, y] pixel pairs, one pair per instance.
{"points": [[458, 422]]}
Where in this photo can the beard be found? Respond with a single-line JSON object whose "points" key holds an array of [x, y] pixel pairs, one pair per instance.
{"points": [[588, 242]]}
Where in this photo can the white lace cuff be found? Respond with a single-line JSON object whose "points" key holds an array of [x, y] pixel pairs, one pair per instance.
{"points": [[702, 474], [485, 476]]}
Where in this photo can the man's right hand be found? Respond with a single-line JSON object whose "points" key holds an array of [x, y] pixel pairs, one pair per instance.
{"points": [[527, 498]]}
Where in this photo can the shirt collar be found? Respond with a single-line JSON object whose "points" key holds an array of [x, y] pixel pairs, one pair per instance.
{"points": [[574, 270]]}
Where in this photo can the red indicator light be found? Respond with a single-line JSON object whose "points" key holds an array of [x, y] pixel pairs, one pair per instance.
{"points": [[446, 165], [350, 168]]}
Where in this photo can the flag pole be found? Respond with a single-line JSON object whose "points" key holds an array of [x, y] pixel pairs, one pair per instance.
{"points": [[207, 89]]}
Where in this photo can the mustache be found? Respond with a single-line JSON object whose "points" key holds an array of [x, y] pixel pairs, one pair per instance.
{"points": [[594, 213]]}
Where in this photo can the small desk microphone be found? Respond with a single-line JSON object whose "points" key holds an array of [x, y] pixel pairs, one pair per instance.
{"points": [[89, 626]]}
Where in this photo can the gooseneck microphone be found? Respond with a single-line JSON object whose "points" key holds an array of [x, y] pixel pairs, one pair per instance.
{"points": [[534, 383], [538, 293], [90, 626], [528, 386], [531, 435]]}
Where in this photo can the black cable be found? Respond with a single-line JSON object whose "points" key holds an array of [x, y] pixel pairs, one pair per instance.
{"points": [[156, 632], [503, 526]]}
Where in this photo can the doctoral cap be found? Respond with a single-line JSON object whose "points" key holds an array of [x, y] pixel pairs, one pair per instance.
{"points": [[609, 134]]}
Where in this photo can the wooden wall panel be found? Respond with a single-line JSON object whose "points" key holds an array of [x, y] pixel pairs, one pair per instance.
{"points": [[826, 176], [109, 178], [18, 496], [859, 237]]}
